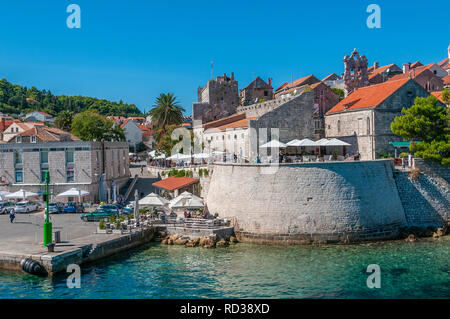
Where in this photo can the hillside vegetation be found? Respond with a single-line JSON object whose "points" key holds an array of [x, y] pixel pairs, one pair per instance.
{"points": [[16, 99]]}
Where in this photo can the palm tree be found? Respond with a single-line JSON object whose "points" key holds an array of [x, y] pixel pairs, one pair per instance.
{"points": [[64, 120], [166, 111]]}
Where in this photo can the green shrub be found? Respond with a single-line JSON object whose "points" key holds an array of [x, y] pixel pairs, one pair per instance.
{"points": [[173, 172], [335, 154], [384, 155], [200, 172], [112, 219], [102, 225], [181, 173], [206, 172], [403, 154]]}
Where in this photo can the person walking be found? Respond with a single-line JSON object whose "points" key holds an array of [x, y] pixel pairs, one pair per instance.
{"points": [[12, 215], [403, 162], [142, 169]]}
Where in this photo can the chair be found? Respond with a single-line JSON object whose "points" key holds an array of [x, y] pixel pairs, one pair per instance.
{"points": [[305, 158]]}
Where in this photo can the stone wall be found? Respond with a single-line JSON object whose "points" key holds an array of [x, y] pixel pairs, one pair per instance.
{"points": [[440, 172], [425, 201], [259, 109], [311, 202], [293, 119]]}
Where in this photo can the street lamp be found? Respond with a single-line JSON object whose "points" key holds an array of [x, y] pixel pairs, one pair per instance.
{"points": [[47, 223]]}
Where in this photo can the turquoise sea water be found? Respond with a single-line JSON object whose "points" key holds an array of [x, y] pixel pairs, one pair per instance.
{"points": [[408, 270]]}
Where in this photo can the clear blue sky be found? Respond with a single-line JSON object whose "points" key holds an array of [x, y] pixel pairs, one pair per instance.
{"points": [[134, 50]]}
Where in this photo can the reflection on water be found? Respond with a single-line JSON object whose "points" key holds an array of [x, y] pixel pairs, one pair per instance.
{"points": [[408, 270]]}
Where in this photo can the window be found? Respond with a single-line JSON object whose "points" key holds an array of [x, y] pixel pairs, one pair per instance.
{"points": [[18, 157], [18, 139], [235, 136], [69, 155], [118, 162], [19, 175], [368, 125], [43, 171], [317, 124], [33, 139], [339, 126], [266, 93], [44, 156], [360, 126], [17, 129], [70, 174]]}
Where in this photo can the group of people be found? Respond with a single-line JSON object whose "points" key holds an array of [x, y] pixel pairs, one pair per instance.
{"points": [[204, 214], [406, 160]]}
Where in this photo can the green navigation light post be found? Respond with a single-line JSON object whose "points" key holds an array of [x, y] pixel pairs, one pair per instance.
{"points": [[47, 223]]}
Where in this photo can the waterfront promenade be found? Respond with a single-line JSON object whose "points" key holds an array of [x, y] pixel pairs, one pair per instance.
{"points": [[79, 241]]}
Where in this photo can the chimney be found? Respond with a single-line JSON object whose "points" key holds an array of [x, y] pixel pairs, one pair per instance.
{"points": [[375, 66], [232, 76], [406, 67], [3, 125], [270, 82]]}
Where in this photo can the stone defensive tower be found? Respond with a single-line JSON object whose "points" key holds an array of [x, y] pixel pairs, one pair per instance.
{"points": [[218, 99]]}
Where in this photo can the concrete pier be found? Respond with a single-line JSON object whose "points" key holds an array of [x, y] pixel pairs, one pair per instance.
{"points": [[80, 244]]}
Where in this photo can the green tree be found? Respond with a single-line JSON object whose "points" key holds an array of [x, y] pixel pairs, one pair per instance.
{"points": [[90, 126], [64, 120], [164, 141], [427, 121], [446, 96], [339, 92], [166, 111]]}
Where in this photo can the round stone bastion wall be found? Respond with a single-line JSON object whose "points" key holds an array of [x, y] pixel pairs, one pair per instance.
{"points": [[309, 202]]}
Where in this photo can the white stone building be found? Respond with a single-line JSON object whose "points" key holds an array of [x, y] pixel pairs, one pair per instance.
{"points": [[92, 166], [133, 134], [38, 116], [364, 118]]}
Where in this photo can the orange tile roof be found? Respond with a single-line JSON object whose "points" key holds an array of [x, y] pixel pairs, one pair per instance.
{"points": [[438, 95], [237, 124], [225, 120], [446, 79], [414, 72], [45, 114], [172, 183], [416, 64], [380, 69], [444, 62], [369, 96], [297, 82], [24, 126], [332, 75], [125, 122]]}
